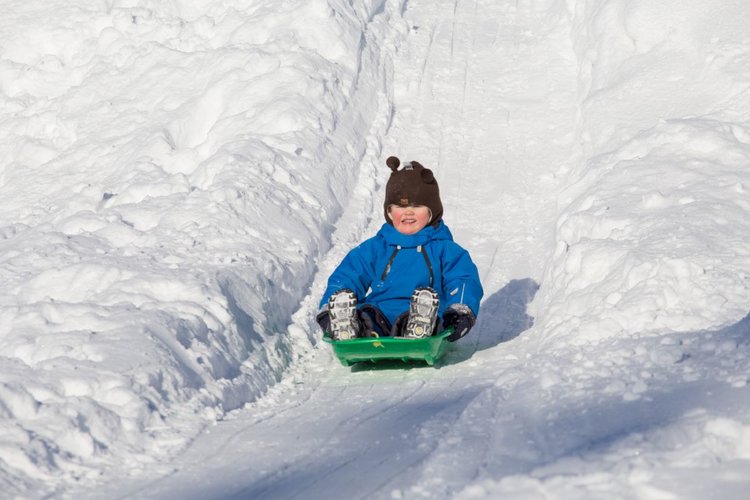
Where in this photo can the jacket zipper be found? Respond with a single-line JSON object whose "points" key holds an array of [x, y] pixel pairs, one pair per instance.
{"points": [[429, 265], [390, 262]]}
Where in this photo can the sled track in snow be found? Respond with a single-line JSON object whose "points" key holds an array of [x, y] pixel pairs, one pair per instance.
{"points": [[327, 431]]}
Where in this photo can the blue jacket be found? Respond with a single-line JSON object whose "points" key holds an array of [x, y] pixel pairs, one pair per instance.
{"points": [[385, 269]]}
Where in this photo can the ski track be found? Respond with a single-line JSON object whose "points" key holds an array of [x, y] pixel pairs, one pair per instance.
{"points": [[386, 432]]}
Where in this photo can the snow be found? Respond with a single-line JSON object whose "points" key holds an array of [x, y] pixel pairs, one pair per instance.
{"points": [[178, 179], [169, 177], [651, 236]]}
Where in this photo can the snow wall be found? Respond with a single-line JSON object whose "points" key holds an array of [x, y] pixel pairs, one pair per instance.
{"points": [[170, 174], [653, 225]]}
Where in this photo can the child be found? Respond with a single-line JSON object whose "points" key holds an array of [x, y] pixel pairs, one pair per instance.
{"points": [[411, 273]]}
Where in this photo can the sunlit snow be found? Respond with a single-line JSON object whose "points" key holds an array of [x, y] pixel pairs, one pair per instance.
{"points": [[178, 179]]}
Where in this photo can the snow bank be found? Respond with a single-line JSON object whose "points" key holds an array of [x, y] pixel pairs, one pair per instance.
{"points": [[170, 172], [656, 417], [638, 384], [652, 235]]}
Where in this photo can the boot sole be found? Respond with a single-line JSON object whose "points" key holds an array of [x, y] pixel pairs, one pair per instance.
{"points": [[422, 313], [342, 307]]}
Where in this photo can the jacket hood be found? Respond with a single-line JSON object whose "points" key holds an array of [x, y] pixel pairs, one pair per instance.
{"points": [[430, 233]]}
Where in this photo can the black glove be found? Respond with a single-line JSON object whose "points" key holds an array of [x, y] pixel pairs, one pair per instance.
{"points": [[461, 318], [324, 319]]}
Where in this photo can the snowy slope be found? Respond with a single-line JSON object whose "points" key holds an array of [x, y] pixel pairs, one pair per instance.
{"points": [[178, 180], [170, 174]]}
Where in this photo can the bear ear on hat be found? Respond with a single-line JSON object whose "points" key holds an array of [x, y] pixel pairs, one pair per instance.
{"points": [[393, 162], [427, 176]]}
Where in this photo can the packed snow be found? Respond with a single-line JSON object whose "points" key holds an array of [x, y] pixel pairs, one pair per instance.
{"points": [[178, 179]]}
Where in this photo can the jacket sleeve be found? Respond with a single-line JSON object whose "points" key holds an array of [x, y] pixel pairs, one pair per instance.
{"points": [[355, 273], [461, 283]]}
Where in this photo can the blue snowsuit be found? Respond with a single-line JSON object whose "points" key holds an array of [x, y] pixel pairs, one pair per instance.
{"points": [[384, 271]]}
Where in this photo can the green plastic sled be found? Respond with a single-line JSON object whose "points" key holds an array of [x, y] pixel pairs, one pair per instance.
{"points": [[373, 349]]}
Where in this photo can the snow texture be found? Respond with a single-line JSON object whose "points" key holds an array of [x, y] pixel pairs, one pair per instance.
{"points": [[170, 174], [178, 179]]}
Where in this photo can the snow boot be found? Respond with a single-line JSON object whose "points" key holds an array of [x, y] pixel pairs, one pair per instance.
{"points": [[422, 313], [342, 307]]}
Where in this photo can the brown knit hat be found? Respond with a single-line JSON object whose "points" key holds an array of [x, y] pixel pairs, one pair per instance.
{"points": [[412, 185]]}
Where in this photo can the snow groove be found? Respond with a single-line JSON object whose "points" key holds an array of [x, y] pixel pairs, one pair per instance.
{"points": [[388, 419], [170, 176]]}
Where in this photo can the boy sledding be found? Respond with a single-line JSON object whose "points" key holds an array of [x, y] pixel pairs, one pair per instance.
{"points": [[409, 281]]}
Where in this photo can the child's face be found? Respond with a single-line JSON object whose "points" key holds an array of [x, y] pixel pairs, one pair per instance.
{"points": [[409, 220]]}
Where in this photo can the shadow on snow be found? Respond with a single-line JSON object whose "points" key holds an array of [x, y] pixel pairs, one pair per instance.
{"points": [[502, 318], [561, 434]]}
